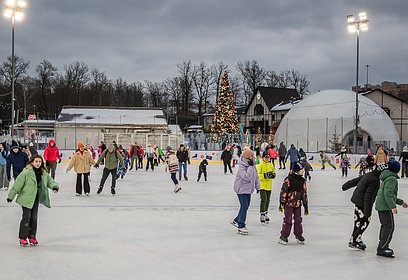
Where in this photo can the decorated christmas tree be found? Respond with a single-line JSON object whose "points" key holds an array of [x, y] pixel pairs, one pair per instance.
{"points": [[225, 118], [258, 136]]}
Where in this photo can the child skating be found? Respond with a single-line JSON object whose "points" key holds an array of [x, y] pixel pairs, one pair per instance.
{"points": [[31, 188], [202, 170], [345, 165], [266, 173], [293, 195], [173, 166]]}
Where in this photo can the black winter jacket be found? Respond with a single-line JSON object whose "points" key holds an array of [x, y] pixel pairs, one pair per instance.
{"points": [[182, 156], [19, 161], [226, 156], [366, 190]]}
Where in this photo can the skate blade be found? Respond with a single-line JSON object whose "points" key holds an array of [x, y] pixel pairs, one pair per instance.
{"points": [[300, 242], [242, 233], [386, 256], [356, 248]]}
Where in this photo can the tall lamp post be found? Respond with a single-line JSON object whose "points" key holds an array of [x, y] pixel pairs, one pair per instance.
{"points": [[355, 26], [13, 10]]}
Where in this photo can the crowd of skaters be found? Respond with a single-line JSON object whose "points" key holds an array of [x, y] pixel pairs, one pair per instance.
{"points": [[256, 170]]}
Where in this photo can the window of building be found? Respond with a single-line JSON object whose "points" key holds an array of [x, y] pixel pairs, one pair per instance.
{"points": [[259, 109]]}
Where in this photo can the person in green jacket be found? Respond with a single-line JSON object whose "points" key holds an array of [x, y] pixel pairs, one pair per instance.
{"points": [[31, 189], [266, 173], [386, 205], [112, 158]]}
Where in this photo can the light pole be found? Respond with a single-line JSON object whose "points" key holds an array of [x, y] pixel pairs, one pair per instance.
{"points": [[13, 10], [355, 26], [367, 66]]}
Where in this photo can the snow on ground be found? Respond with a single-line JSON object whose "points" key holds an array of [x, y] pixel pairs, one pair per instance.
{"points": [[148, 232]]}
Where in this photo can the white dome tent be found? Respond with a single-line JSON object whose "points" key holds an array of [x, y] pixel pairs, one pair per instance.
{"points": [[312, 123]]}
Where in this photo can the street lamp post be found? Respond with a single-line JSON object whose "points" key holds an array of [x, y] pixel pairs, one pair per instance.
{"points": [[355, 26], [13, 10]]}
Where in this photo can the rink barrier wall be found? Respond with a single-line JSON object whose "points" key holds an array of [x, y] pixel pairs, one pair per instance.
{"points": [[214, 157]]}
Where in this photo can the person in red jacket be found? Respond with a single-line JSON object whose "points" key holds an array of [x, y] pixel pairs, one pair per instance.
{"points": [[51, 154]]}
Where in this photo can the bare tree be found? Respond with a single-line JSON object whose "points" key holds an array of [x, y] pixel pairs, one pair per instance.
{"points": [[252, 75], [173, 89], [272, 79], [43, 85], [76, 76], [98, 84], [299, 82], [154, 94], [186, 82], [202, 80], [285, 79], [20, 69]]}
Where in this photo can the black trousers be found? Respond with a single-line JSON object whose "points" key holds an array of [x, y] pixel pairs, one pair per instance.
{"points": [[87, 188], [227, 163], [28, 224], [282, 162], [344, 171], [200, 172], [105, 176], [404, 169], [149, 161], [140, 163], [386, 230], [361, 223]]}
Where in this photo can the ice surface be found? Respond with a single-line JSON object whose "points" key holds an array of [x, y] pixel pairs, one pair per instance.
{"points": [[148, 232]]}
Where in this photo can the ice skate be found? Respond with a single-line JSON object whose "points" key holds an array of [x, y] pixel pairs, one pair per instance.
{"points": [[177, 189], [357, 245], [283, 240], [87, 194], [33, 241], [388, 253], [267, 218], [113, 191], [23, 242], [243, 231], [262, 218], [234, 223], [300, 239], [99, 190], [185, 177]]}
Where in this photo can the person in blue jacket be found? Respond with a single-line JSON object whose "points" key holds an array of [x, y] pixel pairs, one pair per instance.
{"points": [[17, 160], [293, 155]]}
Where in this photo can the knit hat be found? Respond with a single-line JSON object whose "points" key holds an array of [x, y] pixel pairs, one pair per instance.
{"points": [[14, 144], [297, 167], [80, 145], [247, 154], [380, 167], [265, 154], [394, 166]]}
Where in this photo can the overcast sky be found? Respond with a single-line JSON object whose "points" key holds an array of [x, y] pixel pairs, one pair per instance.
{"points": [[145, 39]]}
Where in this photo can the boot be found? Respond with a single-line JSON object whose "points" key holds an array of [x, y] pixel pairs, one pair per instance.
{"points": [[99, 190]]}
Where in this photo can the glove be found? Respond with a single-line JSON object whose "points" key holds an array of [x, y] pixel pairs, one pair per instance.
{"points": [[257, 191], [9, 179], [281, 208], [9, 200], [96, 165], [306, 211], [55, 190], [59, 161]]}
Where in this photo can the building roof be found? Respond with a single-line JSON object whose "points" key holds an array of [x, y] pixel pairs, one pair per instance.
{"points": [[89, 115], [273, 95], [241, 109], [284, 106], [384, 92], [175, 129]]}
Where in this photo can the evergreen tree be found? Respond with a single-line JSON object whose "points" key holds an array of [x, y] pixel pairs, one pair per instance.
{"points": [[335, 144], [225, 118], [258, 137]]}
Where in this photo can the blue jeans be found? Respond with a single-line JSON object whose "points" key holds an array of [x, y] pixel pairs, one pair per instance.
{"points": [[184, 166], [244, 201], [173, 177]]}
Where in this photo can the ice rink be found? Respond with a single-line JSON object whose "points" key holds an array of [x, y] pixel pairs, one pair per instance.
{"points": [[148, 232]]}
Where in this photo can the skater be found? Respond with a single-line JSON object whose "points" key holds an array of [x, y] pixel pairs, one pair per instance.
{"points": [[293, 194], [102, 147], [81, 162], [370, 161], [16, 160], [302, 153], [404, 163], [150, 155], [202, 169], [173, 167], [325, 158], [182, 155], [235, 155], [122, 169], [380, 156], [308, 168], [51, 155], [4, 182], [134, 156], [293, 155], [363, 199], [342, 153], [273, 154], [226, 157], [282, 153], [246, 181], [362, 163], [345, 165], [31, 189], [386, 204], [33, 150], [141, 156], [112, 159], [266, 173]]}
